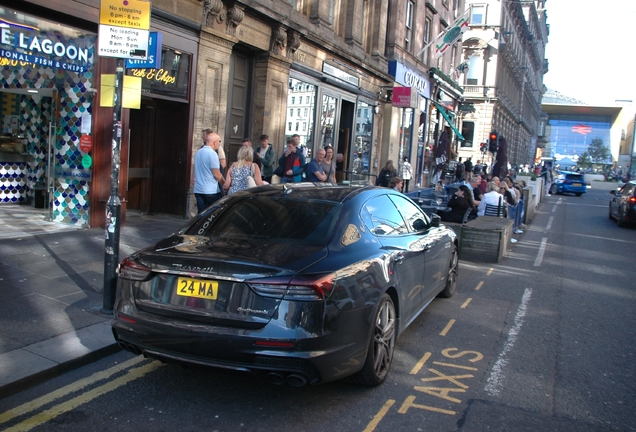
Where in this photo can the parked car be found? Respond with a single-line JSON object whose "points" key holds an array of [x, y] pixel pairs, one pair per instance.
{"points": [[622, 205], [568, 182], [300, 283]]}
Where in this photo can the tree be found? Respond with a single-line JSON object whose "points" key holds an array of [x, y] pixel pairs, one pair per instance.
{"points": [[584, 160], [598, 152]]}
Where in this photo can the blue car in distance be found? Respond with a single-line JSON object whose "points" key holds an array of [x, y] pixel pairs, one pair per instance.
{"points": [[568, 182]]}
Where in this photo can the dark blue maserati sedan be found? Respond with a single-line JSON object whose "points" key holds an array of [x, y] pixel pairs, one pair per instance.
{"points": [[301, 283]]}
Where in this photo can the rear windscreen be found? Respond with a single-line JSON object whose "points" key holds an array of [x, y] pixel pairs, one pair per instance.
{"points": [[574, 177], [269, 218]]}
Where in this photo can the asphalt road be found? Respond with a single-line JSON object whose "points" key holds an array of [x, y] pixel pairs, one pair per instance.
{"points": [[544, 341]]}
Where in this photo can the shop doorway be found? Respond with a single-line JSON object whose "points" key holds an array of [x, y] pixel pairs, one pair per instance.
{"points": [[157, 177], [347, 112]]}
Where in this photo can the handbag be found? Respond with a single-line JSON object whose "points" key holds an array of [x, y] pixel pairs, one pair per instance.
{"points": [[250, 178]]}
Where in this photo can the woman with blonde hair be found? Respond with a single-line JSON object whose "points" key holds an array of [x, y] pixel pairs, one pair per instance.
{"points": [[240, 170]]}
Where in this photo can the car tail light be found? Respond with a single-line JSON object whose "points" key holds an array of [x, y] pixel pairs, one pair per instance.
{"points": [[632, 199], [130, 269], [303, 287]]}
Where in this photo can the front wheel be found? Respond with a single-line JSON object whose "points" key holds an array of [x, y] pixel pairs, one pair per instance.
{"points": [[554, 189], [380, 353]]}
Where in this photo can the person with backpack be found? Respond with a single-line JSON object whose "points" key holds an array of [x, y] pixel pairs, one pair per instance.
{"points": [[459, 171], [468, 169], [386, 174]]}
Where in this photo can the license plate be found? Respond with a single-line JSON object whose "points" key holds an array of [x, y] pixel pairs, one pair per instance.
{"points": [[204, 289], [576, 184]]}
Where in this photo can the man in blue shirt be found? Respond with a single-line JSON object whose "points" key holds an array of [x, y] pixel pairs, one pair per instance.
{"points": [[208, 179], [314, 170]]}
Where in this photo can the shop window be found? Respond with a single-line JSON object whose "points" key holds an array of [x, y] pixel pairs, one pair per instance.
{"points": [[302, 92], [171, 79], [364, 134]]}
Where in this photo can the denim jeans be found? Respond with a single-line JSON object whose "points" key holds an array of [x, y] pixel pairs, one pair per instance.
{"points": [[206, 200]]}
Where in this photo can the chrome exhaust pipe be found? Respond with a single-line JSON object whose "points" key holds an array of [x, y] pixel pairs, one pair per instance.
{"points": [[296, 380], [275, 378]]}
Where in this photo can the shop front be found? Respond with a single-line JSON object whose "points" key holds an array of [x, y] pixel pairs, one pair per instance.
{"points": [[46, 96], [327, 107], [411, 122]]}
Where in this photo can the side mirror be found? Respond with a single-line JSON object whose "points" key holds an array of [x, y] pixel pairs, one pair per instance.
{"points": [[435, 219], [419, 225], [613, 192]]}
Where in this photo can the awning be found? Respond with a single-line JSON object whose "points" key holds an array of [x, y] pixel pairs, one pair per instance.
{"points": [[449, 121]]}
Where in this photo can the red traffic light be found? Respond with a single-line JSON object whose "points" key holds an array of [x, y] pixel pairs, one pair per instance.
{"points": [[493, 136]]}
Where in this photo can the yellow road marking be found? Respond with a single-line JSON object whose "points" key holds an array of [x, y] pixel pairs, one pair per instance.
{"points": [[66, 390], [466, 303], [420, 363], [479, 285], [447, 328], [379, 416], [455, 366], [490, 271], [408, 403], [55, 411]]}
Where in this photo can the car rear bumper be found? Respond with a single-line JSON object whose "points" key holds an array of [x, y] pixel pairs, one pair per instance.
{"points": [[311, 359]]}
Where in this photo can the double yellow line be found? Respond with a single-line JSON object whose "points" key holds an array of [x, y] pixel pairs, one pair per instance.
{"points": [[81, 399]]}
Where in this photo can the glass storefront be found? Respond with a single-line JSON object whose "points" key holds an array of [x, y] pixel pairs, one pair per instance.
{"points": [[571, 135], [46, 102], [343, 121]]}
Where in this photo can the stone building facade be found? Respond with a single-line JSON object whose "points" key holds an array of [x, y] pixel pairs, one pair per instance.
{"points": [[505, 53]]}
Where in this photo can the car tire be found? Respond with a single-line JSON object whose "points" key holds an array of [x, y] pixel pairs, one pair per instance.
{"points": [[610, 213], [451, 277], [381, 346], [578, 193], [554, 189], [621, 219]]}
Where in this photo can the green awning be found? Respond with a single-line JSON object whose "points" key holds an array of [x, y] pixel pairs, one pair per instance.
{"points": [[450, 122]]}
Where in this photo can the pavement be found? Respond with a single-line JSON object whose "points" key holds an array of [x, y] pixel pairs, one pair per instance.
{"points": [[51, 292]]}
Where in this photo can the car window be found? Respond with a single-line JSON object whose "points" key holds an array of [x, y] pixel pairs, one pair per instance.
{"points": [[627, 189], [382, 217], [574, 177], [409, 211], [267, 218]]}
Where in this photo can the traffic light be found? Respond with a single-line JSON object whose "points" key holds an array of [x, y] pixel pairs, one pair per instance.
{"points": [[493, 142], [482, 147]]}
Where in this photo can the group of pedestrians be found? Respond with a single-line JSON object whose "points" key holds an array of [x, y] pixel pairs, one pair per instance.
{"points": [[255, 167], [388, 176]]}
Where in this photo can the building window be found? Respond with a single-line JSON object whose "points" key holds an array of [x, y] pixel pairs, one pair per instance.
{"points": [[427, 39], [293, 101], [298, 112], [289, 126], [478, 15], [409, 26], [291, 112], [306, 111], [297, 125], [304, 126], [468, 132]]}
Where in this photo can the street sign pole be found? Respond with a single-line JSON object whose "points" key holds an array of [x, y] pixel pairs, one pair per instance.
{"points": [[113, 211]]}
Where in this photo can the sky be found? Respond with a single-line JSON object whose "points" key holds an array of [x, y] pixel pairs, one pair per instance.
{"points": [[591, 49]]}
